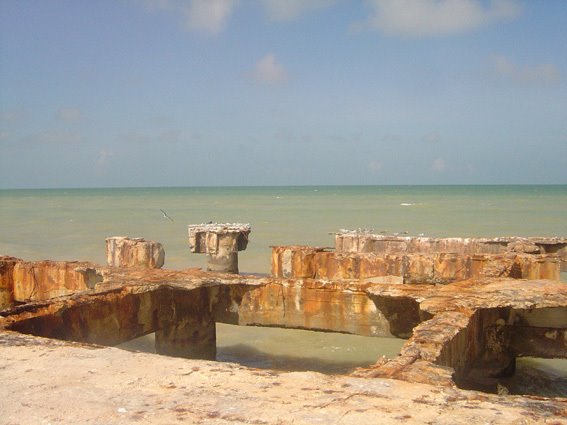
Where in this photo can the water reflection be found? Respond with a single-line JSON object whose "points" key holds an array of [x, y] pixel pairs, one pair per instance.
{"points": [[300, 350], [291, 349], [334, 353], [540, 377]]}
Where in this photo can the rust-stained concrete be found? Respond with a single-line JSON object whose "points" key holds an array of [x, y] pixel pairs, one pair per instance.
{"points": [[25, 281], [463, 334], [457, 332], [477, 328], [122, 251], [367, 242], [419, 268]]}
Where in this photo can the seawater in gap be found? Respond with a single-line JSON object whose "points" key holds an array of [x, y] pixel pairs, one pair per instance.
{"points": [[539, 377], [291, 349], [336, 353]]}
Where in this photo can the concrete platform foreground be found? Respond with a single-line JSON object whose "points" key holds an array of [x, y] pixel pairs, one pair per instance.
{"points": [[56, 382]]}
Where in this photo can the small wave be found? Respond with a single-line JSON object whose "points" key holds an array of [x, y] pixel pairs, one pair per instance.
{"points": [[406, 204]]}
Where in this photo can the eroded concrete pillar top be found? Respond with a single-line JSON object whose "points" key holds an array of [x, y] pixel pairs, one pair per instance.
{"points": [[122, 251], [221, 242]]}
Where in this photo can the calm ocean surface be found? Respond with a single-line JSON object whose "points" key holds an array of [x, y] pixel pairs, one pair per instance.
{"points": [[72, 224]]}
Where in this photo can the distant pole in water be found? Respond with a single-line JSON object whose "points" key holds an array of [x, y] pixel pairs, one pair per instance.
{"points": [[165, 215]]}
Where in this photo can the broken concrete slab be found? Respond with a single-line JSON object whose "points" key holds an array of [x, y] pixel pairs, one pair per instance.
{"points": [[122, 251], [476, 326], [354, 241], [419, 268], [25, 281]]}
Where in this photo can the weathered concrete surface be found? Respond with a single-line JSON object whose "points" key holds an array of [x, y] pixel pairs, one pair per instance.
{"points": [[111, 386], [25, 281], [313, 304], [221, 242], [355, 241], [320, 263], [295, 261], [466, 329], [129, 303], [477, 328], [122, 251], [188, 330], [7, 281], [133, 302]]}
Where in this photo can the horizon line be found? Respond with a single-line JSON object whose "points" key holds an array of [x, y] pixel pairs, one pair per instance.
{"points": [[282, 185]]}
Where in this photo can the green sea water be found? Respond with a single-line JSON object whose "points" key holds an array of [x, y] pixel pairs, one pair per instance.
{"points": [[72, 224]]}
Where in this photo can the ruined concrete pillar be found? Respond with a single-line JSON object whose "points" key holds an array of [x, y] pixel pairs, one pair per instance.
{"points": [[7, 281], [191, 338], [186, 325], [122, 251], [295, 261], [221, 243]]}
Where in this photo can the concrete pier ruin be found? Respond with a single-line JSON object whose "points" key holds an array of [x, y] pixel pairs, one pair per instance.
{"points": [[467, 315], [404, 267], [122, 251], [221, 242], [356, 241]]}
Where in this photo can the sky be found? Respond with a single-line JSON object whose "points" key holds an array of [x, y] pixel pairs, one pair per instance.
{"points": [[140, 93]]}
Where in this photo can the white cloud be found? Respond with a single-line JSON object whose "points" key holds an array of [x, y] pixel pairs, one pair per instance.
{"points": [[208, 16], [165, 136], [103, 158], [424, 18], [526, 74], [286, 135], [69, 115], [12, 116], [54, 137], [156, 4], [286, 10], [205, 16], [375, 166], [390, 138], [432, 137], [438, 165], [269, 71]]}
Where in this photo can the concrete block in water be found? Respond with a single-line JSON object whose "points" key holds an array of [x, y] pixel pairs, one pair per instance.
{"points": [[221, 242], [122, 251], [417, 267], [357, 241]]}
